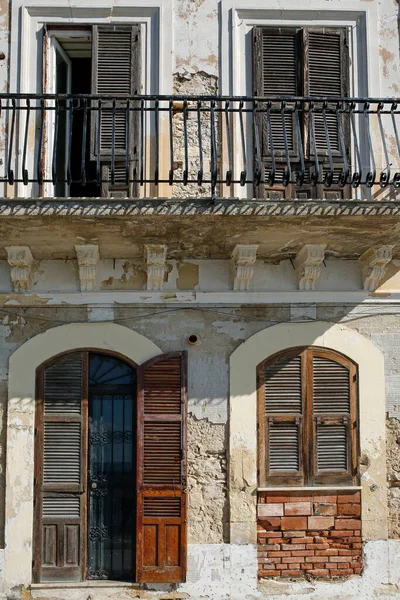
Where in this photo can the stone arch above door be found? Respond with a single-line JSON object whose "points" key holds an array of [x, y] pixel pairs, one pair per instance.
{"points": [[109, 337]]}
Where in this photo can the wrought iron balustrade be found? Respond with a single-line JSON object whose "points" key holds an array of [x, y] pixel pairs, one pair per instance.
{"points": [[141, 146]]}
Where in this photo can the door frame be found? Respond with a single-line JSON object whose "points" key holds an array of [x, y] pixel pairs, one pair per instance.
{"points": [[38, 454]]}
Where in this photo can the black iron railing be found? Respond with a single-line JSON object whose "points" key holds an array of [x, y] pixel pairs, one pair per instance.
{"points": [[80, 145]]}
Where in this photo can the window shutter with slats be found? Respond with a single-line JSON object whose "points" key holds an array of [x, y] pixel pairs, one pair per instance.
{"points": [[332, 390], [161, 511], [116, 72], [281, 408], [326, 74], [307, 419], [60, 471]]}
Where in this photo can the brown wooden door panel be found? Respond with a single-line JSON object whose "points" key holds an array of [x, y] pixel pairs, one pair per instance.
{"points": [[161, 514]]}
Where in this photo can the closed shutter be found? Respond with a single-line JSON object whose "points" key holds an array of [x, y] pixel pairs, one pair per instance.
{"points": [[307, 419], [276, 73], [116, 72], [327, 74], [332, 385], [161, 511], [281, 408], [60, 471]]}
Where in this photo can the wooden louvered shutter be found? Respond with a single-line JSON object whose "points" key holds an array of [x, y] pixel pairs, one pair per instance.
{"points": [[281, 411], [327, 74], [60, 471], [116, 72], [161, 508], [332, 390]]}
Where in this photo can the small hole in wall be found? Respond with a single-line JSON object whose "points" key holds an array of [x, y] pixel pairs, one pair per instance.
{"points": [[192, 339]]}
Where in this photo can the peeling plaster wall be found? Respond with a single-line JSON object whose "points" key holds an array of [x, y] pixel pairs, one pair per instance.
{"points": [[393, 466]]}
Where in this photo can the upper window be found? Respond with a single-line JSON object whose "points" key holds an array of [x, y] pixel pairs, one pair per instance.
{"points": [[96, 141], [307, 419], [290, 62]]}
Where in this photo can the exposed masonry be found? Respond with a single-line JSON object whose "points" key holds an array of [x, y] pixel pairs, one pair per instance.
{"points": [[314, 534], [393, 467]]}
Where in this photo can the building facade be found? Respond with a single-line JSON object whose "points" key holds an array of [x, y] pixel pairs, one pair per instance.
{"points": [[199, 299]]}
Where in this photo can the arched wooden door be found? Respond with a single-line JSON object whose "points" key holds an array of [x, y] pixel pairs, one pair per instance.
{"points": [[110, 469]]}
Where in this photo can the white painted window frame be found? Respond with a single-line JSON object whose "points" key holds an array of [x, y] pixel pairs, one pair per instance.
{"points": [[28, 19], [238, 20]]}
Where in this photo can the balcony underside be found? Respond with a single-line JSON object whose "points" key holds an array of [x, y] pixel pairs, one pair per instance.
{"points": [[197, 229]]}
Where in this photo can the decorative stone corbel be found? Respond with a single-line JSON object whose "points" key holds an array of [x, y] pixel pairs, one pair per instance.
{"points": [[88, 257], [373, 266], [155, 257], [308, 265], [244, 257], [20, 260]]}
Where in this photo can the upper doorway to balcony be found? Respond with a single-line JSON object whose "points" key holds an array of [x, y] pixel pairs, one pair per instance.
{"points": [[90, 144]]}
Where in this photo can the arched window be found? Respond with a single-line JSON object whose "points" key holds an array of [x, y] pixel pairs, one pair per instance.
{"points": [[307, 418], [110, 469]]}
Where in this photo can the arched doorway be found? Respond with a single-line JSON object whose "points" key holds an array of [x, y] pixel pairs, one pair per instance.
{"points": [[85, 490]]}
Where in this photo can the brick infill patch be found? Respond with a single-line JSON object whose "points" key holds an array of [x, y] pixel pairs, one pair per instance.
{"points": [[309, 533]]}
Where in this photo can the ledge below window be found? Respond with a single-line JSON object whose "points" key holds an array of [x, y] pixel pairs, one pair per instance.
{"points": [[294, 488]]}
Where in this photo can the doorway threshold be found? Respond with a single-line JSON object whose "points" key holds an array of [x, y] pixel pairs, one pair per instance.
{"points": [[83, 584]]}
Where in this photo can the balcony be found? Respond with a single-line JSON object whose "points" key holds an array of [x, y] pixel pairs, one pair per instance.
{"points": [[200, 174], [58, 146]]}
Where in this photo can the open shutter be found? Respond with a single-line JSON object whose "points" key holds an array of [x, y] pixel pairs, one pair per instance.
{"points": [[60, 477], [116, 72], [161, 509], [327, 74], [332, 387], [281, 385]]}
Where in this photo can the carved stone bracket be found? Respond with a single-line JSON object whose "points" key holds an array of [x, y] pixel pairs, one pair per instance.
{"points": [[88, 257], [155, 257], [308, 265], [373, 266], [20, 260], [244, 257]]}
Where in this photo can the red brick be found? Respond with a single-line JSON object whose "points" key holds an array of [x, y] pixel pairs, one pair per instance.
{"points": [[355, 538], [272, 554], [272, 547], [301, 497], [319, 572], [357, 545], [325, 509], [281, 567], [306, 567], [294, 565], [353, 510], [268, 522], [357, 571], [345, 524], [327, 552], [339, 533], [278, 499], [305, 540], [341, 572], [294, 523], [358, 531], [293, 546], [350, 497], [324, 498], [291, 573], [341, 546], [270, 510], [317, 546], [316, 559], [339, 559], [274, 534], [320, 522], [269, 573], [344, 552], [318, 540], [355, 565], [303, 553], [293, 559], [289, 534], [294, 509]]}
